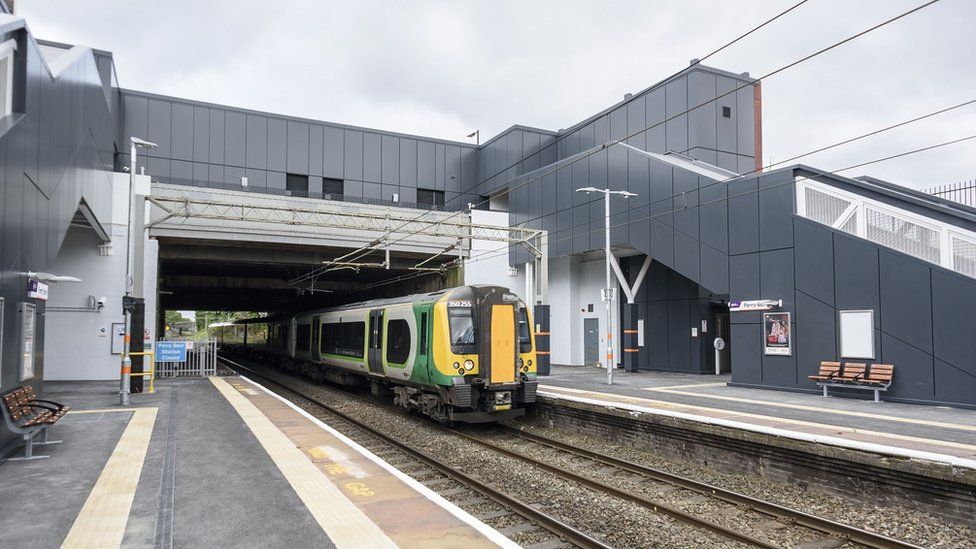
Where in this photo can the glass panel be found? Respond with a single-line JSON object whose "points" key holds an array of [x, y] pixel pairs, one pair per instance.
{"points": [[397, 341], [964, 256], [902, 235], [824, 208]]}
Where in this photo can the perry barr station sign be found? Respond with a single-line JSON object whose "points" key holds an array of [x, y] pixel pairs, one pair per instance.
{"points": [[754, 305]]}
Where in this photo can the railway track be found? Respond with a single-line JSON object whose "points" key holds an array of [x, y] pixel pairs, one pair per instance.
{"points": [[629, 482], [561, 533]]}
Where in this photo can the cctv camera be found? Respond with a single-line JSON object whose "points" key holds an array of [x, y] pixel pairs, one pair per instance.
{"points": [[101, 303]]}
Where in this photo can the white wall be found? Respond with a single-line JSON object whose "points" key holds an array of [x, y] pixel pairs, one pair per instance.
{"points": [[488, 263], [78, 340], [573, 285]]}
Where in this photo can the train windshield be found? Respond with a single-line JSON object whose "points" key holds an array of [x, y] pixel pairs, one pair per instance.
{"points": [[524, 339], [462, 328]]}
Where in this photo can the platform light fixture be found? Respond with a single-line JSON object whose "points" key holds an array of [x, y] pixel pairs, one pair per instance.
{"points": [[608, 293], [135, 144]]}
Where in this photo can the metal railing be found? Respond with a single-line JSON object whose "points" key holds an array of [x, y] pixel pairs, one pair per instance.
{"points": [[201, 360], [963, 192]]}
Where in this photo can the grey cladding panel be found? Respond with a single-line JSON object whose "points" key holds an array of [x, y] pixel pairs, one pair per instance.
{"points": [[714, 219], [953, 303], [136, 117], [776, 276], [815, 337], [332, 153], [315, 144], [160, 127], [814, 260], [277, 144], [235, 138], [746, 340], [913, 368], [743, 216], [297, 154], [776, 211], [182, 131], [855, 274], [726, 128], [714, 270], [257, 142], [353, 159], [440, 160], [201, 134], [408, 162], [953, 384], [906, 299], [702, 120], [426, 160], [372, 157], [391, 160], [217, 123], [745, 122]]}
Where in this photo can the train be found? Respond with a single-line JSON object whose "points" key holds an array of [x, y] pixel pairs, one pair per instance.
{"points": [[464, 354]]}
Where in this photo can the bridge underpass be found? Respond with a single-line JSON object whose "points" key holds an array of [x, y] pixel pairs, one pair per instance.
{"points": [[242, 251]]}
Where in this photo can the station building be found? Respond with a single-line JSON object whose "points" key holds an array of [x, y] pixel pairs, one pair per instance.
{"points": [[865, 269]]}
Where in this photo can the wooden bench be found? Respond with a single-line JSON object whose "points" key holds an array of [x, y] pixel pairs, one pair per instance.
{"points": [[29, 416], [855, 375]]}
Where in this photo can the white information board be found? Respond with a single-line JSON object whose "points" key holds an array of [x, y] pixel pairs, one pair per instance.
{"points": [[27, 340], [857, 334], [640, 332]]}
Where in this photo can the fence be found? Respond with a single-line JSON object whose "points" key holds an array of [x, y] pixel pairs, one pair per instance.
{"points": [[963, 192], [201, 360]]}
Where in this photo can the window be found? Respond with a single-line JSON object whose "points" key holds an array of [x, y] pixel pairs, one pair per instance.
{"points": [[524, 336], [857, 334], [303, 338], [461, 323], [296, 185], [344, 338], [7, 77], [332, 189], [727, 112], [423, 334], [397, 341], [430, 198]]}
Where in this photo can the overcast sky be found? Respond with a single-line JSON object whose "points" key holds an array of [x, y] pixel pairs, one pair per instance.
{"points": [[444, 69]]}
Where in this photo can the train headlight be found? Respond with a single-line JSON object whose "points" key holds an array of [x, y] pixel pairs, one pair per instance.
{"points": [[469, 365], [521, 362], [457, 366], [530, 362]]}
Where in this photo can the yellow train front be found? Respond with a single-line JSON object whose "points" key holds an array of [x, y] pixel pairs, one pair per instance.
{"points": [[464, 354]]}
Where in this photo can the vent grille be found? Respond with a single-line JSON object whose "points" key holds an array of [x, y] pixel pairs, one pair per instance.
{"points": [[462, 396], [333, 188]]}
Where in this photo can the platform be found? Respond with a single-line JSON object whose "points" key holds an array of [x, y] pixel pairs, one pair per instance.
{"points": [[934, 433], [217, 462]]}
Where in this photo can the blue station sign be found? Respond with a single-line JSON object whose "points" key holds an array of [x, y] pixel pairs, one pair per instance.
{"points": [[171, 351]]}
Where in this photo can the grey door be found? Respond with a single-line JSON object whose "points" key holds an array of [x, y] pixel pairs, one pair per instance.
{"points": [[374, 356], [591, 341]]}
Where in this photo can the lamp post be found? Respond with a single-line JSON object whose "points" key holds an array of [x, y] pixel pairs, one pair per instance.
{"points": [[127, 304], [608, 293]]}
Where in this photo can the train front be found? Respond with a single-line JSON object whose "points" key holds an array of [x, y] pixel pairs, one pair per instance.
{"points": [[487, 343]]}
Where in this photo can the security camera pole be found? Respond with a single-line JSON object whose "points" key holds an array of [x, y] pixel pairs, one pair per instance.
{"points": [[608, 292], [127, 302]]}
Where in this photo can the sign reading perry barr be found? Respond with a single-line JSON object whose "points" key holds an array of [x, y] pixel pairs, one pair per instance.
{"points": [[171, 351], [755, 305]]}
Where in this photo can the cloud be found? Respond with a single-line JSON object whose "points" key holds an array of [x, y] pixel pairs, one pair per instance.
{"points": [[443, 69]]}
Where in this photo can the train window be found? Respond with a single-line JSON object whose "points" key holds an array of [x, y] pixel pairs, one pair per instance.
{"points": [[524, 337], [344, 338], [397, 341], [423, 334], [461, 322], [303, 337]]}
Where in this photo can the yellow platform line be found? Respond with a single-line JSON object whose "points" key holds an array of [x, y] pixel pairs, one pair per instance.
{"points": [[102, 520], [610, 398], [820, 409], [670, 387], [338, 517], [103, 410]]}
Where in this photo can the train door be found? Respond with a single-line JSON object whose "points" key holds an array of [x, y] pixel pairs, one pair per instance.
{"points": [[316, 334], [374, 353], [503, 344]]}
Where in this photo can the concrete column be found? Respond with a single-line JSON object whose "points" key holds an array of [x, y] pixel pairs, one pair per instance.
{"points": [[540, 315], [629, 339]]}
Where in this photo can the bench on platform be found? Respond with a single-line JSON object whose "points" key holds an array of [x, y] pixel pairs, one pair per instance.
{"points": [[855, 375], [29, 416]]}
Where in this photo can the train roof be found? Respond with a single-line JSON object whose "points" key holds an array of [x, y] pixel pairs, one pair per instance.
{"points": [[373, 303]]}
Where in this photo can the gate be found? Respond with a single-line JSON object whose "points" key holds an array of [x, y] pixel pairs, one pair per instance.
{"points": [[200, 360]]}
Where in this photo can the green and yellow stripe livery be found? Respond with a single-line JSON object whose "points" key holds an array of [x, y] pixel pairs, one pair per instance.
{"points": [[463, 354]]}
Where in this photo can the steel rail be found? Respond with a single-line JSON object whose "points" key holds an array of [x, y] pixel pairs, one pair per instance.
{"points": [[844, 531], [554, 525]]}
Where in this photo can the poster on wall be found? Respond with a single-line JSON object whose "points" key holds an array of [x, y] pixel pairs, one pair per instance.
{"points": [[27, 318], [777, 338]]}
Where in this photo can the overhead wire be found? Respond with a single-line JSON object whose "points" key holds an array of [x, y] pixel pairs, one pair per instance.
{"points": [[369, 248], [608, 144]]}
